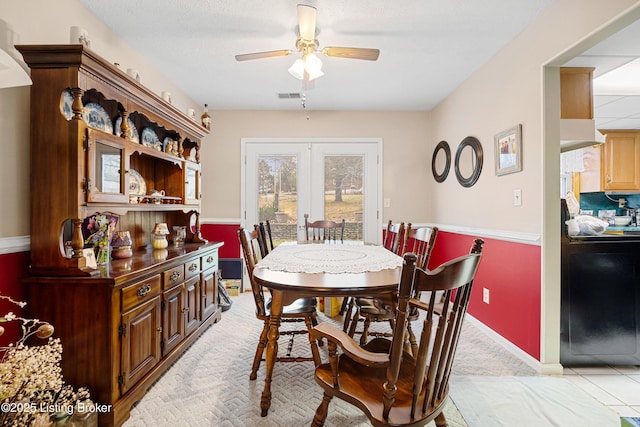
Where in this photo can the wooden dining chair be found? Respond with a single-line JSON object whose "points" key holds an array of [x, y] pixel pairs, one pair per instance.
{"points": [[367, 310], [301, 310], [394, 237], [265, 241], [389, 385], [269, 236], [324, 229]]}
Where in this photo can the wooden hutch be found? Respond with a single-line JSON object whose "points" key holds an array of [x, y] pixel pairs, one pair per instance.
{"points": [[96, 133]]}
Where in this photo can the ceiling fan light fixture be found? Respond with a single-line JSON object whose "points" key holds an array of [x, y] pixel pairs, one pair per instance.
{"points": [[297, 69], [313, 66], [309, 67]]}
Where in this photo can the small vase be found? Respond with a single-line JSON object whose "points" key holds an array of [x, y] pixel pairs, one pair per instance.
{"points": [[102, 257]]}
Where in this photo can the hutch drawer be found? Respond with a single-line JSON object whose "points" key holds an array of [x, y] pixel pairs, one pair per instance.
{"points": [[192, 268], [173, 276], [140, 292]]}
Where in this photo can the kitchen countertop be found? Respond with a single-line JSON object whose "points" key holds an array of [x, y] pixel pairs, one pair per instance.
{"points": [[622, 230]]}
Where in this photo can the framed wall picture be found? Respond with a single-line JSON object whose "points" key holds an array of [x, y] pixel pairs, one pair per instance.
{"points": [[508, 150]]}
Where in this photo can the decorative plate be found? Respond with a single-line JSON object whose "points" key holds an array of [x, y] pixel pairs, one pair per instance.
{"points": [[97, 117], [134, 131], [66, 100], [150, 139], [137, 186]]}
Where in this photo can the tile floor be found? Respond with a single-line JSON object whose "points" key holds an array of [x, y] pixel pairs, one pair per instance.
{"points": [[617, 387]]}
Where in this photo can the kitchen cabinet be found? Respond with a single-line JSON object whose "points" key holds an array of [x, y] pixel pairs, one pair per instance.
{"points": [[576, 100], [101, 143], [620, 161], [612, 166]]}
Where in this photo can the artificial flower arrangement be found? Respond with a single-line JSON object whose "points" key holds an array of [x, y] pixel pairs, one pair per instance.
{"points": [[100, 228], [32, 389]]}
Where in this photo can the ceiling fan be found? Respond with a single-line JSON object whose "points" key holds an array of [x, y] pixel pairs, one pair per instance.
{"points": [[309, 66]]}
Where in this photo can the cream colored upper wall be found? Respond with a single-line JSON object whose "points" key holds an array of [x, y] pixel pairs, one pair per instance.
{"points": [[406, 157], [506, 91], [48, 22]]}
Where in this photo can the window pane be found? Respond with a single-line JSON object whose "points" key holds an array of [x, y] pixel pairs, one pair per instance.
{"points": [[344, 192], [277, 198]]}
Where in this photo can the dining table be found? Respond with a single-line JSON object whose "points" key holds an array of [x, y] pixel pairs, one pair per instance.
{"points": [[321, 269]]}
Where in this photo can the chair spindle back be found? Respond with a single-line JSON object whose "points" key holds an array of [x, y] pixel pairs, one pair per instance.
{"points": [[394, 236], [438, 341], [250, 243], [324, 229]]}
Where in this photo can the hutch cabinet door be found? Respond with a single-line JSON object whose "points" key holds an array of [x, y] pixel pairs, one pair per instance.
{"points": [[140, 342], [209, 293], [172, 318], [191, 183], [107, 164], [192, 308]]}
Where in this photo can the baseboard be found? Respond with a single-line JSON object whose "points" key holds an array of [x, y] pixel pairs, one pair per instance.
{"points": [[508, 345]]}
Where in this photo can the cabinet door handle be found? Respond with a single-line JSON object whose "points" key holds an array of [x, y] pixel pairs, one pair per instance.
{"points": [[193, 267], [184, 310], [144, 290], [174, 276], [209, 259]]}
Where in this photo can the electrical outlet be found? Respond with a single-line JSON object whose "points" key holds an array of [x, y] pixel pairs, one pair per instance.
{"points": [[485, 295], [387, 203], [517, 197]]}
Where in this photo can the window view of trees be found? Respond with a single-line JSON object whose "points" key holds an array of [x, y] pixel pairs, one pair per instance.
{"points": [[343, 189]]}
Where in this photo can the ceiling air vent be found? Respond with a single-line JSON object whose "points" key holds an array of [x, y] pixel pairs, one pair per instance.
{"points": [[289, 95]]}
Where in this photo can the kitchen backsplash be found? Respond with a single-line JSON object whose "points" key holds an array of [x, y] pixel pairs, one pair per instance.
{"points": [[600, 201]]}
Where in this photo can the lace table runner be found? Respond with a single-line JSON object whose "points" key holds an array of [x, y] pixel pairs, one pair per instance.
{"points": [[319, 258]]}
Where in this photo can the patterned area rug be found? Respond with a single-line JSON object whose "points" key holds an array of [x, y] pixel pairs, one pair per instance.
{"points": [[209, 385]]}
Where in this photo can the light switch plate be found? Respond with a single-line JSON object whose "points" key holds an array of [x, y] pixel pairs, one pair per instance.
{"points": [[517, 197]]}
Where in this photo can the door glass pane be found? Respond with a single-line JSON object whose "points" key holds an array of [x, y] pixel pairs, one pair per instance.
{"points": [[108, 175], [344, 192], [278, 196], [192, 184]]}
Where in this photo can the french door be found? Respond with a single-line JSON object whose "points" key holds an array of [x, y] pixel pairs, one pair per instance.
{"points": [[284, 179]]}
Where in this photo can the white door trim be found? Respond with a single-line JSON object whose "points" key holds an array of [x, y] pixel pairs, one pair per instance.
{"points": [[377, 141]]}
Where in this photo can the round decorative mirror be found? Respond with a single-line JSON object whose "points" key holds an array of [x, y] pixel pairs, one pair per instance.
{"points": [[441, 161], [468, 162]]}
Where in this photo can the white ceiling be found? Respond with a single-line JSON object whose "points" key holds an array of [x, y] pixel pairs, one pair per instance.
{"points": [[615, 107], [427, 47]]}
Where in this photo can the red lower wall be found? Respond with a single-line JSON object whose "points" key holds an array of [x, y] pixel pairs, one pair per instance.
{"points": [[227, 233], [12, 267], [511, 272]]}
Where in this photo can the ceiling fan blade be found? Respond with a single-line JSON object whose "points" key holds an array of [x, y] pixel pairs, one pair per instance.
{"points": [[352, 52], [259, 55], [307, 22]]}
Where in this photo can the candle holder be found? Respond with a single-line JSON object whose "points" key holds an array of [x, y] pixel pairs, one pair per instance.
{"points": [[160, 232], [121, 245], [181, 235]]}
